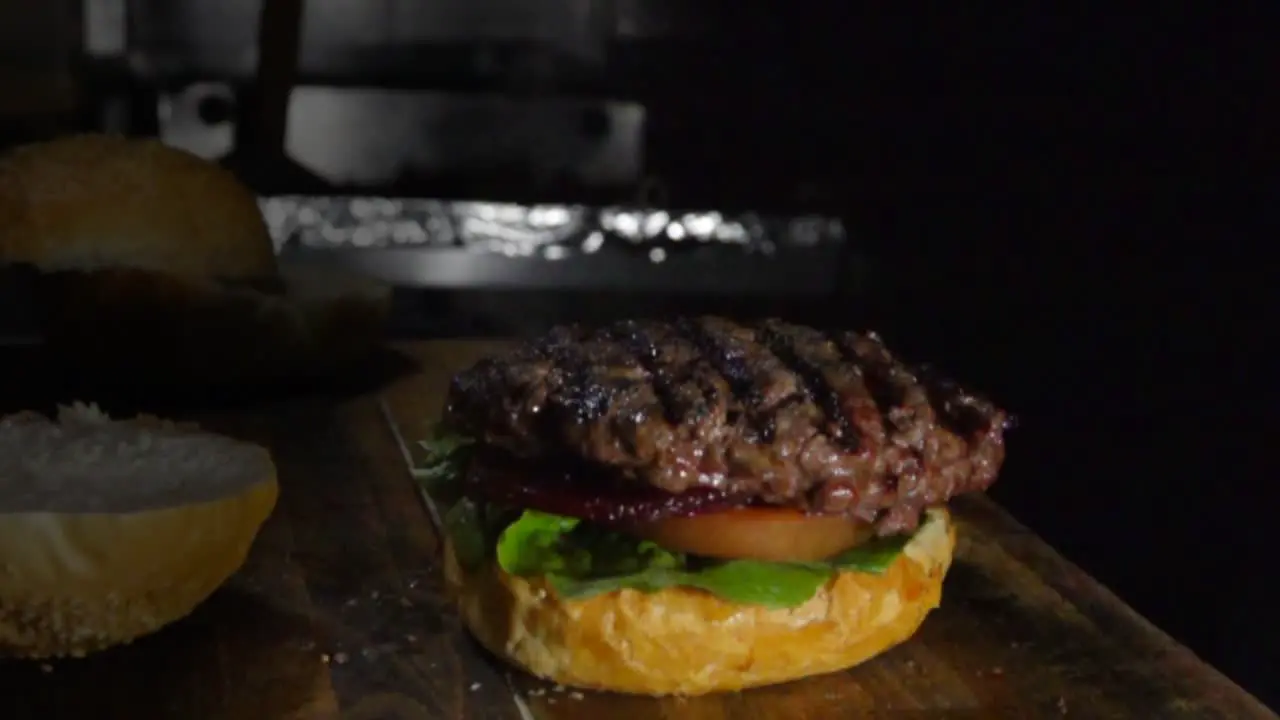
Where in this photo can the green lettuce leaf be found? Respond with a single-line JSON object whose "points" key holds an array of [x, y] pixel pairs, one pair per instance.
{"points": [[872, 557], [534, 545], [464, 522], [581, 560], [440, 474], [751, 582]]}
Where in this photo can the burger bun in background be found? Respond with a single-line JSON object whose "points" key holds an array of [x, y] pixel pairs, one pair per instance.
{"points": [[156, 267]]}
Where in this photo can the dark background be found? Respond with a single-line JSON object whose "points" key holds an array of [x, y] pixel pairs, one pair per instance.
{"points": [[1070, 210]]}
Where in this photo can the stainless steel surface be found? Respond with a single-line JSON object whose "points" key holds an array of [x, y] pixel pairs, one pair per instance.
{"points": [[384, 134], [104, 31], [357, 38], [469, 245], [802, 272], [367, 137], [514, 230]]}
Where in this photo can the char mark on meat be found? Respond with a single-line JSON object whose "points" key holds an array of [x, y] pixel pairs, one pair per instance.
{"points": [[752, 380], [961, 412], [821, 375], [688, 386], [830, 422]]}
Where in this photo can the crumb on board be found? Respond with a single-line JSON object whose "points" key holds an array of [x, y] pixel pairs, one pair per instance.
{"points": [[475, 686], [1062, 705], [575, 695]]}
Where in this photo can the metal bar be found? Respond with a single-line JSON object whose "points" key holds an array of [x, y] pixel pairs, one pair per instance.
{"points": [[807, 271]]}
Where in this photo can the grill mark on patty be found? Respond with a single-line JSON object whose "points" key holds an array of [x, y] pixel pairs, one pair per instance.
{"points": [[963, 413], [734, 366], [599, 383], [878, 373], [577, 391], [891, 387], [686, 393], [818, 382]]}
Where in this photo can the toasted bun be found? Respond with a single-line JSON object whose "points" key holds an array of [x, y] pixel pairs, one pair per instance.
{"points": [[688, 642], [142, 247], [113, 529], [90, 202]]}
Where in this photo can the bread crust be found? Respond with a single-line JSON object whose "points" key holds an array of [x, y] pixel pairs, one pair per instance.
{"points": [[687, 642], [75, 583], [88, 202], [137, 242]]}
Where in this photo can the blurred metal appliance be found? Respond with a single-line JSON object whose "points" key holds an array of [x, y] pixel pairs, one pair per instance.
{"points": [[385, 91], [346, 113]]}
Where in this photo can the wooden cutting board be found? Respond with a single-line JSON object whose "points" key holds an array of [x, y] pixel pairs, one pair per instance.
{"points": [[340, 613]]}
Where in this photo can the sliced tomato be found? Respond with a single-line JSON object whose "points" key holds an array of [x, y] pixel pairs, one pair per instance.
{"points": [[774, 534]]}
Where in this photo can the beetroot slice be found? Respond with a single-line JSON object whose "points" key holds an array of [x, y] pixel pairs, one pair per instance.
{"points": [[586, 494]]}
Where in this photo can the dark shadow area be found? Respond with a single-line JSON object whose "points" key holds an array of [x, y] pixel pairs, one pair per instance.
{"points": [[48, 381], [260, 653]]}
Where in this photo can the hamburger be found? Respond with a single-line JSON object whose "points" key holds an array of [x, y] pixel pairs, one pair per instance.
{"points": [[155, 264], [701, 505]]}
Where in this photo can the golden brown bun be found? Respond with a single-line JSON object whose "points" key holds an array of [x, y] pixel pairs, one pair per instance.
{"points": [[100, 201], [139, 242], [113, 529], [688, 642]]}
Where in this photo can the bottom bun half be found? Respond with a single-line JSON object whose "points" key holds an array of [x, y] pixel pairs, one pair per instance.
{"points": [[76, 583], [682, 641]]}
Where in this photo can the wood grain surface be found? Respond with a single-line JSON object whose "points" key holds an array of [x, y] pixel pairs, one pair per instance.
{"points": [[340, 613]]}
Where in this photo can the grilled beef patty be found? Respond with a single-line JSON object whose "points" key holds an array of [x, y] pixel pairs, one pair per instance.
{"points": [[778, 413]]}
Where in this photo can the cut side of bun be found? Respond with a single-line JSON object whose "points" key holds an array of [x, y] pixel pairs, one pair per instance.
{"points": [[682, 641], [112, 529]]}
